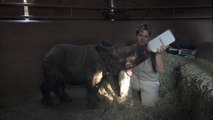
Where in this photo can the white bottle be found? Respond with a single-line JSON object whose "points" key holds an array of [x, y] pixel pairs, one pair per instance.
{"points": [[164, 39]]}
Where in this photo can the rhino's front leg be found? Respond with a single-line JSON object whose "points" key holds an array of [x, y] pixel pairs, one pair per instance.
{"points": [[92, 97], [93, 90]]}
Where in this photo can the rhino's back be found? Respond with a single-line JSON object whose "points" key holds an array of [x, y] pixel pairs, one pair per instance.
{"points": [[71, 61]]}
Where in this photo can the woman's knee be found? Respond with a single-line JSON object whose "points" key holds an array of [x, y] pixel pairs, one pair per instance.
{"points": [[149, 96], [124, 82]]}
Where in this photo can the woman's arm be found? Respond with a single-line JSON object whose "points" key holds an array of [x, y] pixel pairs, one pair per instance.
{"points": [[159, 60]]}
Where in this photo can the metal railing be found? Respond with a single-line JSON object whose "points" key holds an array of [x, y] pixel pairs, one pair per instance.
{"points": [[102, 9]]}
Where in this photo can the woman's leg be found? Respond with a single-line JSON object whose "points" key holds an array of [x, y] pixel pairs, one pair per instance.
{"points": [[124, 82], [149, 95]]}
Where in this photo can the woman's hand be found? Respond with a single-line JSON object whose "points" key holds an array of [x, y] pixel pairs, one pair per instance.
{"points": [[161, 49]]}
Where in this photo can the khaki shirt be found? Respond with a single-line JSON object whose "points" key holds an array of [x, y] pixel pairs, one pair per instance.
{"points": [[144, 72]]}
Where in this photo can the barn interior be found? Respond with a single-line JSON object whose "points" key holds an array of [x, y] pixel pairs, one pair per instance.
{"points": [[29, 28]]}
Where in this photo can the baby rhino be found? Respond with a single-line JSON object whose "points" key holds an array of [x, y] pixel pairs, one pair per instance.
{"points": [[79, 64]]}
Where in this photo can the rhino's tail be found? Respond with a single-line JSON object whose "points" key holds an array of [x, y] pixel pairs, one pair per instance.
{"points": [[51, 70], [46, 66], [51, 63]]}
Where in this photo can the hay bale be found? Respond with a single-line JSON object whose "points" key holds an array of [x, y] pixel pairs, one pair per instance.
{"points": [[186, 92]]}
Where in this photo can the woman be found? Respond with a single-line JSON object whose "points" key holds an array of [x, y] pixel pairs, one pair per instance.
{"points": [[145, 75]]}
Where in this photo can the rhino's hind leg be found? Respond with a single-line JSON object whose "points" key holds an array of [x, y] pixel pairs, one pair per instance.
{"points": [[59, 90], [45, 89]]}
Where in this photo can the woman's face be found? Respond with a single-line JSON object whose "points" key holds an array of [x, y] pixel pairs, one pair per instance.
{"points": [[143, 37]]}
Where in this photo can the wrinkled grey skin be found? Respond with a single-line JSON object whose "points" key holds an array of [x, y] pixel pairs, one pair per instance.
{"points": [[74, 64]]}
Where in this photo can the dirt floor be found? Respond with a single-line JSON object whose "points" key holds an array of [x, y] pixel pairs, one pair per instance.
{"points": [[28, 107]]}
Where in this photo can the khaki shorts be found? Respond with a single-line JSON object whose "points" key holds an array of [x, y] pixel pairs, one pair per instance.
{"points": [[148, 90], [149, 93]]}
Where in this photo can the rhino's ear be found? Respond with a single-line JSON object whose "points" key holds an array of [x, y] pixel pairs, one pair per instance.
{"points": [[106, 43], [104, 46], [122, 51], [102, 49]]}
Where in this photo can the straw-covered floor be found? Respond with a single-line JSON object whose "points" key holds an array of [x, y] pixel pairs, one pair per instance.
{"points": [[186, 93]]}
